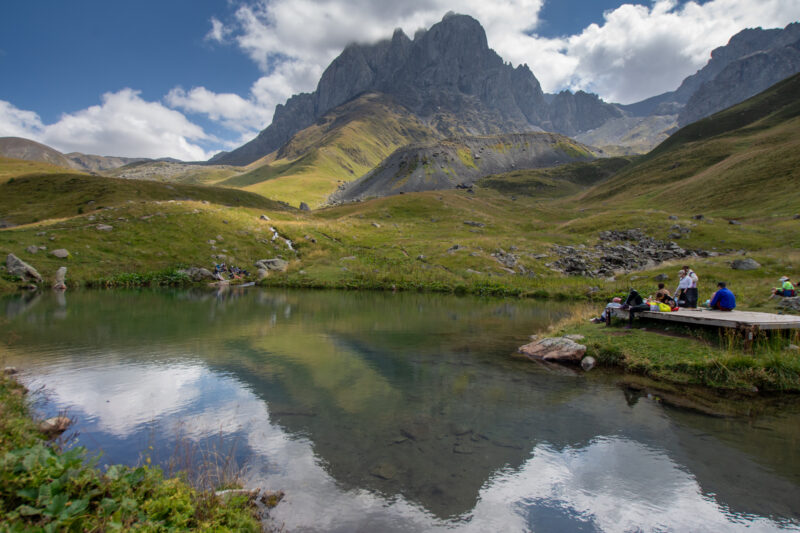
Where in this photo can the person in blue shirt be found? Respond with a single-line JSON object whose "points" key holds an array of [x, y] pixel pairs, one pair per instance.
{"points": [[723, 299]]}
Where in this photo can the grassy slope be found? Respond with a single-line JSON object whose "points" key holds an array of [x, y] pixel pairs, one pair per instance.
{"points": [[342, 146], [563, 180], [15, 168], [35, 197], [743, 161]]}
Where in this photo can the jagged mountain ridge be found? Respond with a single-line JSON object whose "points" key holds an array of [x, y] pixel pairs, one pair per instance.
{"points": [[743, 78], [447, 69]]}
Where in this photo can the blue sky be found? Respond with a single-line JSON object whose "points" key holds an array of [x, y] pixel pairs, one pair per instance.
{"points": [[186, 78]]}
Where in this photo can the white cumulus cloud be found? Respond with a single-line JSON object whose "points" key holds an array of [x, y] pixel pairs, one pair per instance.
{"points": [[122, 125], [640, 51], [18, 122]]}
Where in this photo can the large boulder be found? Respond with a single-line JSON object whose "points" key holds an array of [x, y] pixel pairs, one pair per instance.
{"points": [[745, 264], [554, 349], [18, 267], [275, 264], [197, 274]]}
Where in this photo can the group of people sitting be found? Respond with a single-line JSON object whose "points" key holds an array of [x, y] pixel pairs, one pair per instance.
{"points": [[686, 296], [231, 271]]}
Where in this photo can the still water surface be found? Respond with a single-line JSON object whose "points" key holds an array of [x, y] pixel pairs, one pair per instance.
{"points": [[396, 412]]}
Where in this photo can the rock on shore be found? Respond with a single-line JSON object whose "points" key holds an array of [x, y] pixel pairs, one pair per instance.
{"points": [[554, 349], [18, 267]]}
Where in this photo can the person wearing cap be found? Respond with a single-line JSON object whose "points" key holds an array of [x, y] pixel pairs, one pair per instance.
{"points": [[786, 289], [615, 303]]}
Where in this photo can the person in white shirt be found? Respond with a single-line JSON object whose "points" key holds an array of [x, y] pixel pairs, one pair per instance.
{"points": [[681, 293], [691, 293]]}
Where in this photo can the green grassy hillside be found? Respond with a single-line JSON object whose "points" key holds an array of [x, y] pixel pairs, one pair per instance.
{"points": [[744, 161], [15, 168], [35, 197], [342, 146]]}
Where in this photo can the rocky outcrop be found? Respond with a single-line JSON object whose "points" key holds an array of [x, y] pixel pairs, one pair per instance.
{"points": [[617, 251], [275, 264], [17, 267], [554, 349]]}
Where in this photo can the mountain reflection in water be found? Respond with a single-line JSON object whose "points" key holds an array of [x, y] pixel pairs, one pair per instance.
{"points": [[396, 412]]}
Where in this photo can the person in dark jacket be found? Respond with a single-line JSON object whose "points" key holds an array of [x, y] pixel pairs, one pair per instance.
{"points": [[723, 299]]}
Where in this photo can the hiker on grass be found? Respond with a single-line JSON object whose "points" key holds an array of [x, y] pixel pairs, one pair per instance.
{"points": [[723, 299], [786, 289]]}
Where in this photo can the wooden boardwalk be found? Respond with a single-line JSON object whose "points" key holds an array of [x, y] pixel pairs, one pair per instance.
{"points": [[746, 320]]}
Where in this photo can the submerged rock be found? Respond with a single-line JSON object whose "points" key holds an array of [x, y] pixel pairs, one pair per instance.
{"points": [[588, 363], [55, 426]]}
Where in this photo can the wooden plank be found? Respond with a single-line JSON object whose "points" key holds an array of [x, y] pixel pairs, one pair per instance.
{"points": [[724, 319]]}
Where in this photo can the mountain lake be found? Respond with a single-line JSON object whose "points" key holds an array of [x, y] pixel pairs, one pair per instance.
{"points": [[382, 412]]}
